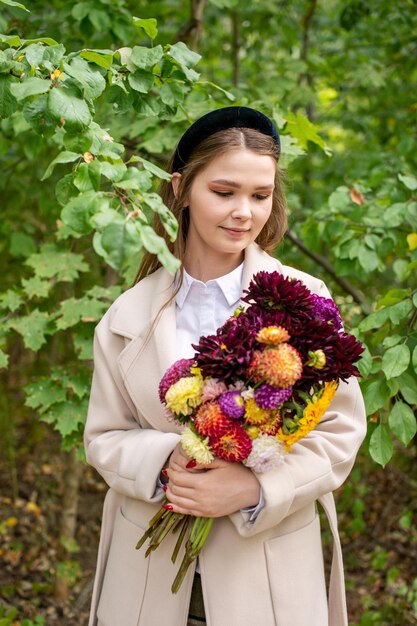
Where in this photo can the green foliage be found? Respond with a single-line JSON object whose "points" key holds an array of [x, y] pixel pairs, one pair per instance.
{"points": [[94, 117]]}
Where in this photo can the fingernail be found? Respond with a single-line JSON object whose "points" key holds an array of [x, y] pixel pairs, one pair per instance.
{"points": [[191, 464], [165, 472], [165, 487], [168, 507]]}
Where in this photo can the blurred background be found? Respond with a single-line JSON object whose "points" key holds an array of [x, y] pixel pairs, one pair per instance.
{"points": [[94, 96]]}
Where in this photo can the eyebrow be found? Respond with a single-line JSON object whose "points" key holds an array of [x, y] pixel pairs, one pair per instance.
{"points": [[231, 183]]}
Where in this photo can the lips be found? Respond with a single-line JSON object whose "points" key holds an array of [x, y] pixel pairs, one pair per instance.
{"points": [[235, 230]]}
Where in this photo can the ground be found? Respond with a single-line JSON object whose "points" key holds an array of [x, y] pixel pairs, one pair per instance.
{"points": [[376, 511]]}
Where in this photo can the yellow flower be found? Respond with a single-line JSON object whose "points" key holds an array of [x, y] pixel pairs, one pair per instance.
{"points": [[184, 395], [196, 447], [56, 74], [273, 335], [312, 415], [254, 414], [196, 371]]}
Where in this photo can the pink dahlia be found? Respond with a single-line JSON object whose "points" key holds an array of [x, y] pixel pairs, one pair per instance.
{"points": [[179, 369]]}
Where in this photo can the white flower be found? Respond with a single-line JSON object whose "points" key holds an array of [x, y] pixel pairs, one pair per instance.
{"points": [[248, 393], [267, 454]]}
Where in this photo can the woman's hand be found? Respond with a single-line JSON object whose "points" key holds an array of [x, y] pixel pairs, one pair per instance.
{"points": [[213, 490]]}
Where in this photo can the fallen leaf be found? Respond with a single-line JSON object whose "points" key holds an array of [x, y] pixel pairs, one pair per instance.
{"points": [[356, 196]]}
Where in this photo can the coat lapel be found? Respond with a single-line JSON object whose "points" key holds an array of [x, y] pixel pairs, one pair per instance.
{"points": [[152, 330]]}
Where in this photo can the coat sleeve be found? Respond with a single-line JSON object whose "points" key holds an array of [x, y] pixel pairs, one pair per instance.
{"points": [[317, 464], [128, 456]]}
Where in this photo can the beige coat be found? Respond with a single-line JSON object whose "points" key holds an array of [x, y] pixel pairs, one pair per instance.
{"points": [[266, 573]]}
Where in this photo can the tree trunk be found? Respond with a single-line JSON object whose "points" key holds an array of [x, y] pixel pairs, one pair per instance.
{"points": [[71, 475]]}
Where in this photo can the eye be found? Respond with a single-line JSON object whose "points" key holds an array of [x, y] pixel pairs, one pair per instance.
{"points": [[222, 194], [261, 196]]}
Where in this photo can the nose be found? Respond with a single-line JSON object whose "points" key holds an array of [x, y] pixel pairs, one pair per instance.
{"points": [[242, 209]]}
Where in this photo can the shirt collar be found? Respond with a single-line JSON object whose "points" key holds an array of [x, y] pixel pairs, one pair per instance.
{"points": [[230, 285]]}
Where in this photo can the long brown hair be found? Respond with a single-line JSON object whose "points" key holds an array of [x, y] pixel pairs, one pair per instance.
{"points": [[210, 148]]}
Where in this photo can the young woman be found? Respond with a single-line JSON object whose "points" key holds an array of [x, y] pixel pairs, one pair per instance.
{"points": [[262, 563]]}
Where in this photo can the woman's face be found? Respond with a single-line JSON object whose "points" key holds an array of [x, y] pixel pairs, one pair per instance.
{"points": [[229, 203]]}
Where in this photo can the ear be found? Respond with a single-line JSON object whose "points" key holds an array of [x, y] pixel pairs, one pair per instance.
{"points": [[175, 182]]}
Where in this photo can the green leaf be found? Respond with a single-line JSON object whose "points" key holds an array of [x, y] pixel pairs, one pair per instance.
{"points": [[83, 341], [365, 363], [10, 300], [88, 176], [302, 129], [77, 212], [183, 55], [67, 109], [393, 296], [43, 394], [13, 41], [368, 259], [30, 87], [380, 445], [119, 242], [172, 94], [151, 167], [148, 25], [4, 359], [409, 181], [52, 261], [103, 58], [391, 340], [21, 245], [157, 245], [11, 3], [374, 320], [74, 310], [395, 361], [63, 157], [407, 385], [36, 288], [32, 328], [376, 393], [8, 103], [414, 359], [400, 311], [154, 202], [402, 422], [146, 58], [90, 81], [141, 80], [67, 416], [140, 180]]}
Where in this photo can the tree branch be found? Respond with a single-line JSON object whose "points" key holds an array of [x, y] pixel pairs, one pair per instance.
{"points": [[235, 48], [326, 265], [190, 33]]}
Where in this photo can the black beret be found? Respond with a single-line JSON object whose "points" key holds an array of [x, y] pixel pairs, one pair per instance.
{"points": [[220, 119]]}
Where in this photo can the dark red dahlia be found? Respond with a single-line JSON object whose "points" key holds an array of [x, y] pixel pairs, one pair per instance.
{"points": [[325, 310], [272, 290], [227, 354], [233, 446]]}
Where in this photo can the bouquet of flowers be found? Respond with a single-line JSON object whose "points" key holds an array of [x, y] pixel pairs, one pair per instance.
{"points": [[254, 389]]}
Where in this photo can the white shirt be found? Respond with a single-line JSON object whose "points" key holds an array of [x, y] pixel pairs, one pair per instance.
{"points": [[202, 307]]}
